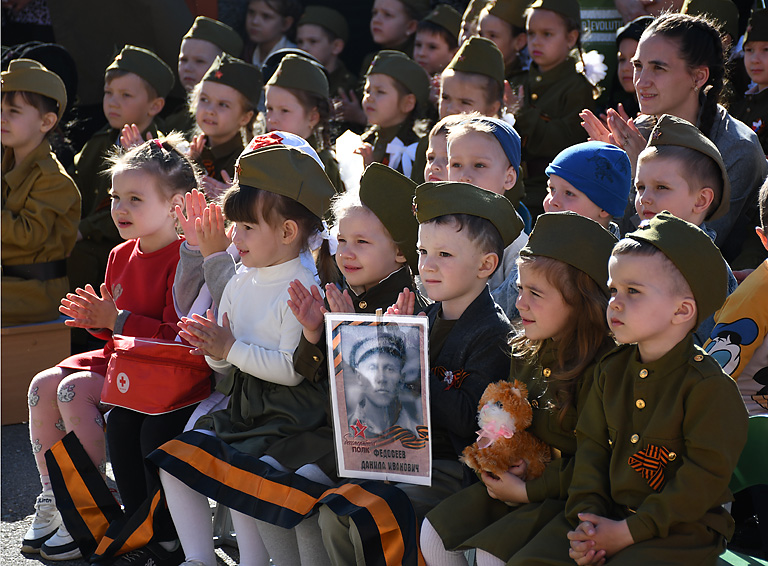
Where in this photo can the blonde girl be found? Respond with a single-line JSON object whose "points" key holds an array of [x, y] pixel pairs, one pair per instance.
{"points": [[561, 335], [135, 299], [297, 101]]}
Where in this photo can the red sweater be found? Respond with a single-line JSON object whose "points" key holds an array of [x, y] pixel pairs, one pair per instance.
{"points": [[142, 284]]}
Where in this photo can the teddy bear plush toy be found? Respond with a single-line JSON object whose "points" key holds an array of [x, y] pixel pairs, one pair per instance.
{"points": [[503, 415]]}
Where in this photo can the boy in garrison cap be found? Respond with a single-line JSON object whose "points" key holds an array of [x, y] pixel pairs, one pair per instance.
{"points": [[40, 202], [753, 110], [503, 22], [682, 171], [437, 39], [135, 86], [654, 455], [462, 233], [323, 32], [205, 40]]}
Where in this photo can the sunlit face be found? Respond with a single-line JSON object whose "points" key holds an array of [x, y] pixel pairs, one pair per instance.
{"points": [[126, 101], [258, 243], [624, 70], [367, 254], [390, 23], [317, 42], [562, 195], [382, 103], [286, 113], [663, 81], [436, 168], [220, 113], [461, 93], [263, 24], [380, 375], [543, 310], [431, 51], [140, 210], [195, 58], [661, 184], [22, 127], [549, 42], [756, 62], [500, 32], [477, 158]]}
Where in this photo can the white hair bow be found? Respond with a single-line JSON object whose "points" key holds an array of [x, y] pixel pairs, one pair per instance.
{"points": [[399, 152]]}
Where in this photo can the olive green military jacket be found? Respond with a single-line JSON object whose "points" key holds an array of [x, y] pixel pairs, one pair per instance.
{"points": [[380, 138], [342, 79], [658, 442], [753, 111], [214, 160]]}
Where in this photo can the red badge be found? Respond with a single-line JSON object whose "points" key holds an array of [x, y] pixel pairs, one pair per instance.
{"points": [[265, 140]]}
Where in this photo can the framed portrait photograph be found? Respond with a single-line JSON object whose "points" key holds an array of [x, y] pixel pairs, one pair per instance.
{"points": [[379, 381]]}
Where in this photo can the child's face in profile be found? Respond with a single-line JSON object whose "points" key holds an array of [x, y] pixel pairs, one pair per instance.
{"points": [[195, 58], [462, 94], [661, 184], [21, 123], [431, 51], [624, 70], [220, 113], [126, 101], [437, 158], [543, 310], [756, 62], [367, 254], [382, 103], [500, 32], [390, 23], [285, 112], [317, 42], [643, 301], [477, 158], [562, 195], [263, 24], [549, 42]]}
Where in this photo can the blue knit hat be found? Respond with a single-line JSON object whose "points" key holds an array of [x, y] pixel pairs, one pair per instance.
{"points": [[599, 170], [507, 137]]}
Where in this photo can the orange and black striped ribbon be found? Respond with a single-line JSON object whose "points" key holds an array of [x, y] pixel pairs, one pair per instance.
{"points": [[650, 463]]}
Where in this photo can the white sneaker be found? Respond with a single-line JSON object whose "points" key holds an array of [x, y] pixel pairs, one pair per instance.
{"points": [[61, 546], [45, 523]]}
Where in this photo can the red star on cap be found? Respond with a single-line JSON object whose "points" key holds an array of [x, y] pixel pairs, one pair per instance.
{"points": [[218, 74], [265, 140], [359, 429]]}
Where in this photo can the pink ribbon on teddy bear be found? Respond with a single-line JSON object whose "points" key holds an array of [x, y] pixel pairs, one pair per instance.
{"points": [[490, 434]]}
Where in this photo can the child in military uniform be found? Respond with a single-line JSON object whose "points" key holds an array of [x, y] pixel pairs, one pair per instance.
{"points": [[681, 171], [592, 179], [224, 104], [135, 86], [396, 91], [753, 110], [269, 25], [654, 455], [41, 204], [205, 40], [462, 233], [323, 32], [297, 102], [562, 335], [437, 39], [547, 114], [503, 22]]}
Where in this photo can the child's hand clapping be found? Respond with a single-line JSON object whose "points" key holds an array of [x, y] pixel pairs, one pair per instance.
{"points": [[212, 188], [211, 233], [338, 301], [194, 204], [130, 136], [88, 309], [366, 151], [406, 303], [308, 308], [207, 336]]}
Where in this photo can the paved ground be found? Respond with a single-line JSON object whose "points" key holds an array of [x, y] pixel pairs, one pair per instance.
{"points": [[20, 487]]}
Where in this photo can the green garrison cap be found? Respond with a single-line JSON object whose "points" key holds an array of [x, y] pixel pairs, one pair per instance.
{"points": [[286, 171], [243, 77], [327, 18], [565, 235], [419, 7], [480, 56], [27, 75], [299, 72], [473, 9], [448, 197], [568, 8], [399, 66], [147, 65], [757, 29], [671, 130], [389, 195], [511, 11], [693, 253], [446, 17], [724, 12], [213, 31]]}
